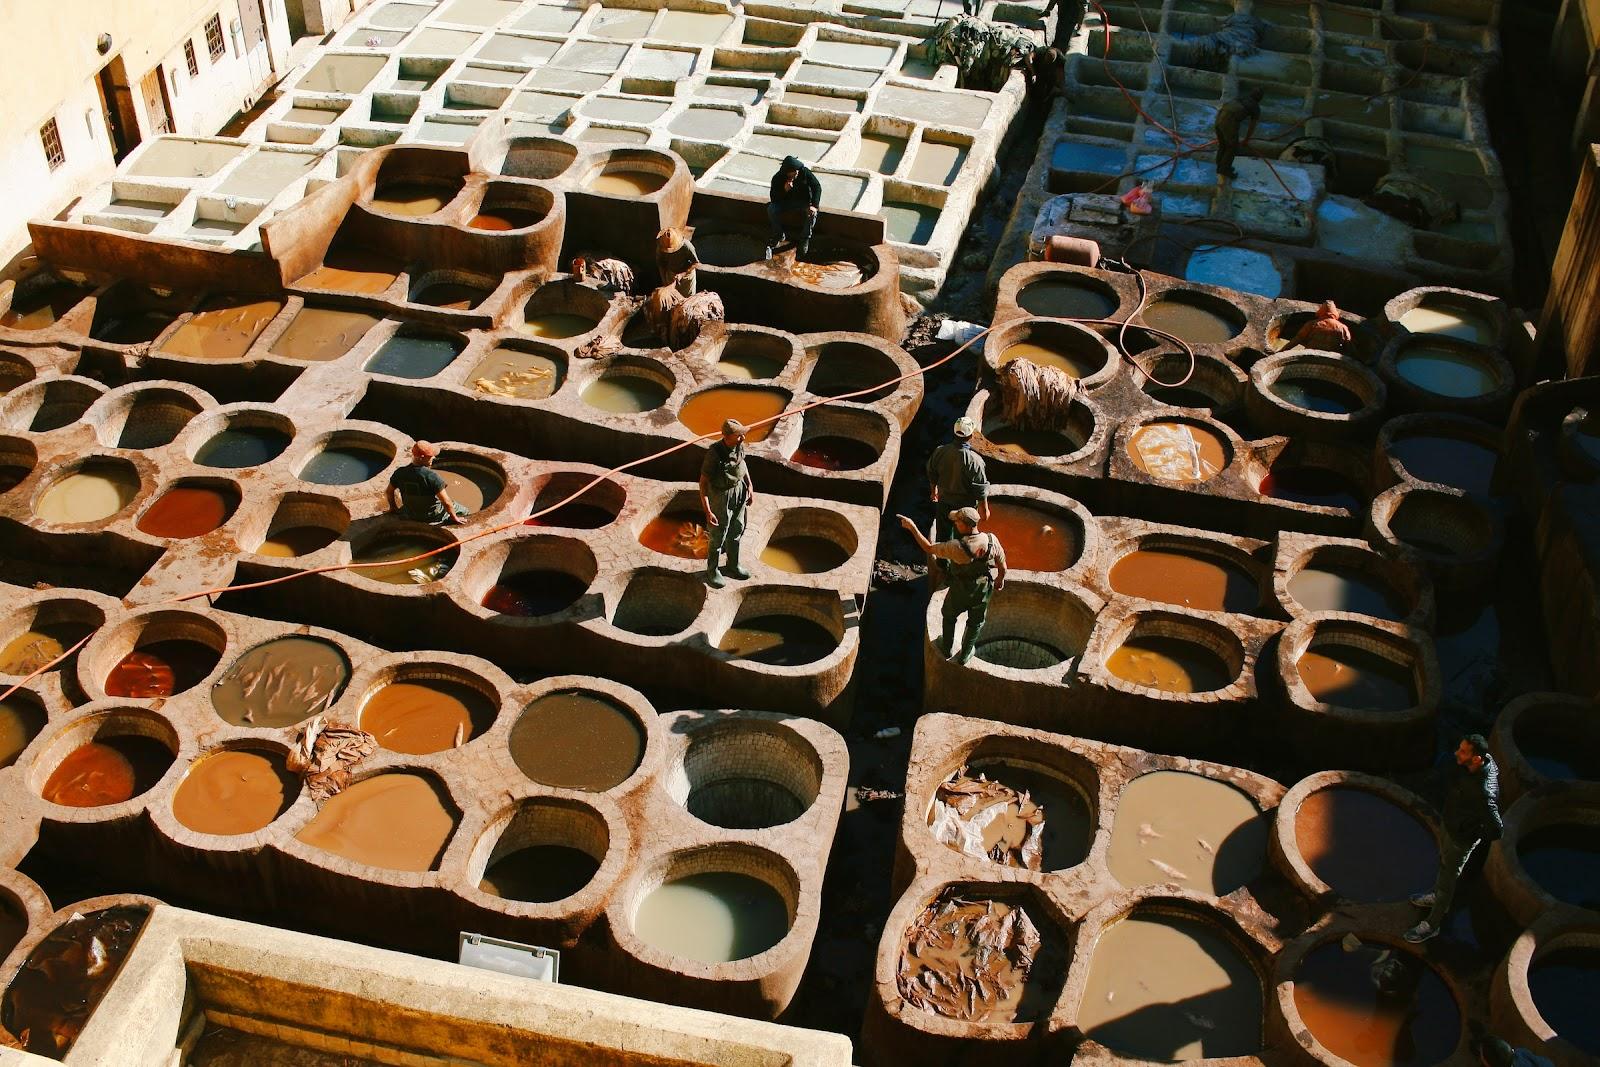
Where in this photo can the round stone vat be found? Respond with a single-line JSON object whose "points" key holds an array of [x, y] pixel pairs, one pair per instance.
{"points": [[1061, 797], [1034, 627], [1316, 393], [423, 708], [475, 482], [192, 507], [1368, 1000], [395, 820], [539, 158], [146, 417], [1209, 383], [531, 576], [1314, 475], [705, 411], [1173, 655], [759, 356], [35, 636], [347, 457], [509, 208], [451, 290], [1544, 738], [234, 790], [576, 501], [14, 372], [783, 627], [1062, 295], [711, 905], [1191, 572], [22, 716], [302, 524], [1198, 318], [17, 460], [1454, 313], [1352, 667], [91, 490], [1062, 443], [540, 850], [1450, 450], [1354, 580], [1343, 835], [1150, 1013], [281, 682], [156, 655], [841, 439], [659, 603], [1454, 537], [630, 172], [1438, 373], [246, 437], [520, 370], [42, 406], [630, 385], [746, 773], [1179, 451], [849, 367], [1548, 858], [576, 738], [102, 760], [557, 311], [1544, 990], [1179, 828], [416, 352], [399, 553], [810, 541], [1038, 535], [1074, 350], [417, 182], [679, 529]]}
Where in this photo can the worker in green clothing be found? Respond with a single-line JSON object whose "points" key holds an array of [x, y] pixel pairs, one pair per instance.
{"points": [[957, 479], [725, 493], [977, 567], [1243, 111], [1471, 818]]}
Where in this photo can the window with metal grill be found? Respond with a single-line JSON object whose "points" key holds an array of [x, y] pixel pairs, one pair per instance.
{"points": [[189, 59], [214, 37], [50, 137]]}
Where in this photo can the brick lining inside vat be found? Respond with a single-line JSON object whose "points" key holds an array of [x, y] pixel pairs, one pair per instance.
{"points": [[42, 406], [746, 774], [146, 416], [658, 603]]}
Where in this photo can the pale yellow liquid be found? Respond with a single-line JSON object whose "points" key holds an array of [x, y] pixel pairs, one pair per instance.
{"points": [[627, 182], [85, 497]]}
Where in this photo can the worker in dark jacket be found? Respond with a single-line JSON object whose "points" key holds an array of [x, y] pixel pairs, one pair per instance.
{"points": [[725, 494], [1243, 112], [418, 492], [796, 196], [957, 479], [1471, 818], [977, 568]]}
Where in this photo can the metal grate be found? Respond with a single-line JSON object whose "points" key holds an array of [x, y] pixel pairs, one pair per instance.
{"points": [[50, 137], [214, 37]]}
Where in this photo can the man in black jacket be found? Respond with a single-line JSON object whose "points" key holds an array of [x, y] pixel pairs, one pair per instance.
{"points": [[1471, 818], [796, 195]]}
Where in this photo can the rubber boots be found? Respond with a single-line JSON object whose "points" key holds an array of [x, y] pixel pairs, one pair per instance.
{"points": [[733, 570], [713, 575], [947, 641]]}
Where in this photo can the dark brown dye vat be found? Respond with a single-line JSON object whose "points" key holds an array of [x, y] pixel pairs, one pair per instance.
{"points": [[577, 740], [1376, 1006], [533, 593], [65, 976], [1366, 847], [161, 669]]}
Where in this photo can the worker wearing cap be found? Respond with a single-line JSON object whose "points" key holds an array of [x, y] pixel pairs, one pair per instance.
{"points": [[419, 493], [977, 568], [676, 260], [957, 479], [725, 493]]}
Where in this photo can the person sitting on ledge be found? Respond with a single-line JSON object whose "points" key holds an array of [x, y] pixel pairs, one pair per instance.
{"points": [[676, 260], [725, 494], [977, 568], [1471, 818], [796, 196], [1324, 331], [418, 493]]}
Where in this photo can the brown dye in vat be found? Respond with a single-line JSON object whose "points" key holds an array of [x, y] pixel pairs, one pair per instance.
{"points": [[501, 219], [1331, 587], [43, 308], [107, 770], [1069, 363], [515, 375], [539, 874], [559, 325], [411, 198], [1202, 1001], [353, 271], [945, 970], [1452, 461], [577, 740], [320, 334], [1169, 664], [1376, 1007], [1012, 816], [1034, 540], [1064, 300], [397, 821], [224, 328], [834, 453], [20, 723], [62, 981], [1178, 452], [427, 716], [160, 669], [1193, 579], [677, 533], [622, 182], [880, 152], [132, 328], [234, 792], [188, 511], [1021, 442], [281, 683], [1194, 324], [398, 552], [1188, 830], [704, 413], [294, 541], [13, 924], [804, 555], [1353, 677], [778, 640], [452, 296], [30, 650], [533, 593], [1364, 846], [472, 486]]}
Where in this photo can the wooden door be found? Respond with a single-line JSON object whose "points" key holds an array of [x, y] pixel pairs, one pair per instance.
{"points": [[153, 86]]}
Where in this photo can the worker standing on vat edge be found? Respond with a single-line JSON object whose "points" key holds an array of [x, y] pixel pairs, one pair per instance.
{"points": [[796, 196], [1471, 817], [1324, 331], [977, 565], [957, 479], [1245, 111], [725, 493], [676, 261], [418, 492]]}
